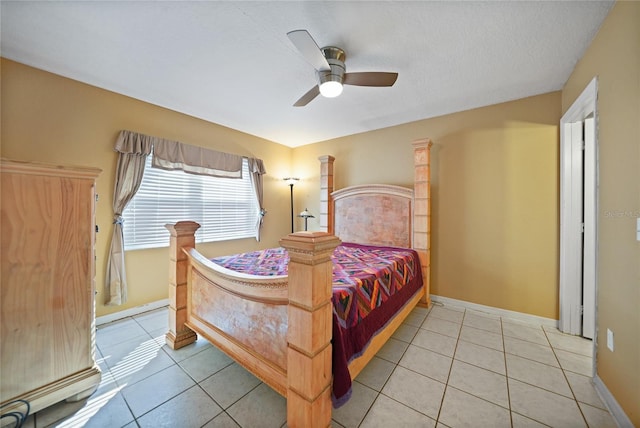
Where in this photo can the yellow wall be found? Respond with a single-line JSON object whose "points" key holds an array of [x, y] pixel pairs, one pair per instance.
{"points": [[494, 174], [614, 57], [495, 197], [48, 118]]}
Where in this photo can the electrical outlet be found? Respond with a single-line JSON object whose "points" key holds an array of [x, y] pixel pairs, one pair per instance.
{"points": [[610, 340]]}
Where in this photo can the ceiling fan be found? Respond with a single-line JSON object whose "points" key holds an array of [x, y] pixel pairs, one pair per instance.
{"points": [[330, 69]]}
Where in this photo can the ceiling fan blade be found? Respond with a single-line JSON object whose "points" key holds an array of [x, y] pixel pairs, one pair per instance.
{"points": [[306, 98], [372, 78], [309, 49]]}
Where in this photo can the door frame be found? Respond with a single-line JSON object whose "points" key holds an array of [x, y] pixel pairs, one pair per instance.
{"points": [[584, 107]]}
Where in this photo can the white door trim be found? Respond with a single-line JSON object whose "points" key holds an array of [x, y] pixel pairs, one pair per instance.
{"points": [[590, 215], [571, 215]]}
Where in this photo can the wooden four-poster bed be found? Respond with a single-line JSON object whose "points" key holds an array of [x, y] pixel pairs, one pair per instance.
{"points": [[280, 327]]}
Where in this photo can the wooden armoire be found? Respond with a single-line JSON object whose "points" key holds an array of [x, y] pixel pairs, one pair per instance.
{"points": [[47, 328]]}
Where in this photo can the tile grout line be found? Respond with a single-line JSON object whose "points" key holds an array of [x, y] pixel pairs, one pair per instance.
{"points": [[482, 368], [506, 372], [196, 383], [446, 385], [548, 335], [564, 375], [378, 393], [527, 383], [504, 353]]}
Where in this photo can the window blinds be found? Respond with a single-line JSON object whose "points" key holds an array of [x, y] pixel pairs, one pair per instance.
{"points": [[224, 207]]}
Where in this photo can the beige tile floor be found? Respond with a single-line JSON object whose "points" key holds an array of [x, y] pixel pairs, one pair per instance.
{"points": [[445, 367]]}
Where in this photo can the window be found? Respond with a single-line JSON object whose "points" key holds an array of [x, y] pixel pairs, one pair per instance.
{"points": [[225, 208]]}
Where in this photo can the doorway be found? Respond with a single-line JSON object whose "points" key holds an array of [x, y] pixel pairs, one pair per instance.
{"points": [[578, 215]]}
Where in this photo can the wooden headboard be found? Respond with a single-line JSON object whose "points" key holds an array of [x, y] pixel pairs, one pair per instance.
{"points": [[377, 226], [376, 214]]}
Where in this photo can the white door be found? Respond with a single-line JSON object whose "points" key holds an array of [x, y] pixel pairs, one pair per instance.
{"points": [[578, 220], [571, 227]]}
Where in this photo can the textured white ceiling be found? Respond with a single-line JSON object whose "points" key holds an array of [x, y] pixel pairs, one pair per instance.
{"points": [[231, 62]]}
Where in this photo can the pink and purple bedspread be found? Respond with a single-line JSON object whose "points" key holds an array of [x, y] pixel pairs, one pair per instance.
{"points": [[370, 284]]}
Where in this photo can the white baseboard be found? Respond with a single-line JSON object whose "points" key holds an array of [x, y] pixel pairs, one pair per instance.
{"points": [[517, 316], [131, 312], [609, 400]]}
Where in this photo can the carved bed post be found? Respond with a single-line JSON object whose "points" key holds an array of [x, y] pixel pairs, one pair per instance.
{"points": [[182, 236], [422, 210], [326, 188], [310, 317]]}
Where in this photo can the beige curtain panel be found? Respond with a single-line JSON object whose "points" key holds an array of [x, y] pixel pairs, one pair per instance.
{"points": [[256, 171], [133, 150]]}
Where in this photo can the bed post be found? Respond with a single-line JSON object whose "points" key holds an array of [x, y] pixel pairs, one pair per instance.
{"points": [[422, 210], [182, 236], [310, 318], [326, 188]]}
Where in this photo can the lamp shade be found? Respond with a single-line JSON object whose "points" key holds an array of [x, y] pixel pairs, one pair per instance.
{"points": [[306, 214]]}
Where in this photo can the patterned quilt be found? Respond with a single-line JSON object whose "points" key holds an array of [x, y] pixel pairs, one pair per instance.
{"points": [[370, 284], [363, 276]]}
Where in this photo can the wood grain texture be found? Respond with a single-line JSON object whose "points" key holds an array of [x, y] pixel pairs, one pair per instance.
{"points": [[47, 332], [255, 324], [309, 371]]}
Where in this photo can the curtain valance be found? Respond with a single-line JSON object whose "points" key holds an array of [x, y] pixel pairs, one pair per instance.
{"points": [[133, 143], [174, 155]]}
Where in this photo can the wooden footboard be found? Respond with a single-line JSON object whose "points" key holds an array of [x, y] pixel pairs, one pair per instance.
{"points": [[279, 328]]}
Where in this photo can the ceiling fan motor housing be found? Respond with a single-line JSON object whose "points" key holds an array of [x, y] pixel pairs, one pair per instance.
{"points": [[335, 57]]}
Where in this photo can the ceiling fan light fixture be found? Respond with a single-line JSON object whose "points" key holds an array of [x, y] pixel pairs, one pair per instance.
{"points": [[331, 89], [331, 71]]}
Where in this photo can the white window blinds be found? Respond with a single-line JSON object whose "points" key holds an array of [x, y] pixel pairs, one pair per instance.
{"points": [[225, 208]]}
